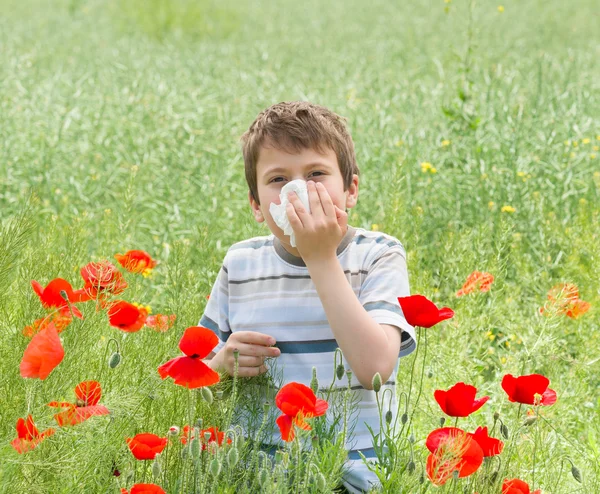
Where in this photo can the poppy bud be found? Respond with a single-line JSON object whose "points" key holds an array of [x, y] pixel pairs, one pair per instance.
{"points": [[64, 295], [442, 421], [404, 418], [529, 420], [429, 373], [233, 457], [411, 466], [576, 473], [314, 382], [493, 477], [421, 479], [496, 416], [339, 371], [207, 395], [320, 481], [114, 360], [215, 467], [388, 417], [376, 383], [173, 430], [411, 438], [219, 395], [349, 377], [455, 474], [266, 406], [156, 470], [263, 477], [504, 430], [195, 448]]}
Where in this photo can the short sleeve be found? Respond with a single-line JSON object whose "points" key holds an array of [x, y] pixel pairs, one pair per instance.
{"points": [[386, 280], [216, 312]]}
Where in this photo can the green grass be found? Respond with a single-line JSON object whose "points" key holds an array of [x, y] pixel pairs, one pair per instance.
{"points": [[119, 129]]}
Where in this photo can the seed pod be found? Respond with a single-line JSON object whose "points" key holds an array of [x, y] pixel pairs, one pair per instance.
{"points": [[219, 395], [263, 478], [339, 371], [376, 382], [207, 395], [233, 457], [442, 421], [455, 474], [156, 470], [411, 438], [389, 416], [207, 436], [504, 431], [114, 360], [314, 382], [266, 406], [404, 418], [320, 481], [411, 466], [195, 448], [64, 295], [576, 473], [215, 467]]}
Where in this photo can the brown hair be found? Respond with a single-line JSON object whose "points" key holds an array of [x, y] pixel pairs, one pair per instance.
{"points": [[296, 125]]}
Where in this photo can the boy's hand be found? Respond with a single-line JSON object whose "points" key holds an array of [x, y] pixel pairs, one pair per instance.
{"points": [[319, 232], [254, 347]]}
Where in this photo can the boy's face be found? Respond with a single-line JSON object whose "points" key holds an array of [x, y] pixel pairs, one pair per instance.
{"points": [[275, 168]]}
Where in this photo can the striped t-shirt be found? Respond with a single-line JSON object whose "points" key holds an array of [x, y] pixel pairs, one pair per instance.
{"points": [[262, 287]]}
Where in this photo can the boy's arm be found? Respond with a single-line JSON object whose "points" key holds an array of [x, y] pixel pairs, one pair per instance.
{"points": [[368, 346]]}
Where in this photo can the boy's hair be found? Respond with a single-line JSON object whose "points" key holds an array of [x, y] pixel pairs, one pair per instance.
{"points": [[293, 126]]}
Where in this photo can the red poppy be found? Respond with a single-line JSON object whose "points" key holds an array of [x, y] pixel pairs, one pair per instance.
{"points": [[88, 395], [144, 489], [146, 446], [216, 436], [28, 436], [189, 370], [136, 261], [529, 390], [43, 354], [127, 317], [452, 449], [476, 280], [420, 311], [489, 445], [61, 318], [564, 299], [160, 322], [516, 486], [100, 278], [459, 400], [51, 296], [297, 402]]}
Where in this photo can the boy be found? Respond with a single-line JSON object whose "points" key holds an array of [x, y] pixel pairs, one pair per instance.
{"points": [[338, 287]]}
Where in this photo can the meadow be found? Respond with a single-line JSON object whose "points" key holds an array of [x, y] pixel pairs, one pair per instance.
{"points": [[477, 133]]}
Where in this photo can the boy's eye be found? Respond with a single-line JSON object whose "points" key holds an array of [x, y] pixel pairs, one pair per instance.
{"points": [[273, 179]]}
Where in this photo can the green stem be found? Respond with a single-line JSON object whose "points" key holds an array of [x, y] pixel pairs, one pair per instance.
{"points": [[421, 382]]}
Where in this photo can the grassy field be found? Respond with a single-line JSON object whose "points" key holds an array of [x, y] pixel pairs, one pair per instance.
{"points": [[119, 129]]}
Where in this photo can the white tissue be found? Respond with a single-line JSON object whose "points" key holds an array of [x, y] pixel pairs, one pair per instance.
{"points": [[278, 212]]}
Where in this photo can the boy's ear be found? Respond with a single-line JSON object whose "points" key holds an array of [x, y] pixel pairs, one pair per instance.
{"points": [[258, 216]]}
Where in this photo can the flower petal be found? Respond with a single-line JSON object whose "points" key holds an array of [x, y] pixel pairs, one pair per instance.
{"points": [[189, 372], [43, 354], [198, 341]]}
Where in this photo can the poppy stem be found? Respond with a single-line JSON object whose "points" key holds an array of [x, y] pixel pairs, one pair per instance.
{"points": [[422, 375], [455, 421]]}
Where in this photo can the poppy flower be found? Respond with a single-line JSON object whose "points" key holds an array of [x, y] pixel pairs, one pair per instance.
{"points": [[61, 318], [297, 402], [516, 486], [136, 261], [477, 280], [43, 354], [216, 436], [127, 317], [144, 489], [420, 311], [28, 436], [452, 449], [160, 322], [489, 445], [459, 400], [564, 299], [100, 278], [146, 446], [88, 395], [51, 296], [529, 390], [189, 370]]}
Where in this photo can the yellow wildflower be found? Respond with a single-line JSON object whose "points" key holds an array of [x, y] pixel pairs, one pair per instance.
{"points": [[596, 148], [375, 227], [491, 204], [567, 143], [575, 144], [502, 360], [399, 143], [592, 156], [585, 140], [520, 174], [500, 8], [425, 166], [582, 201], [508, 209], [445, 143]]}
